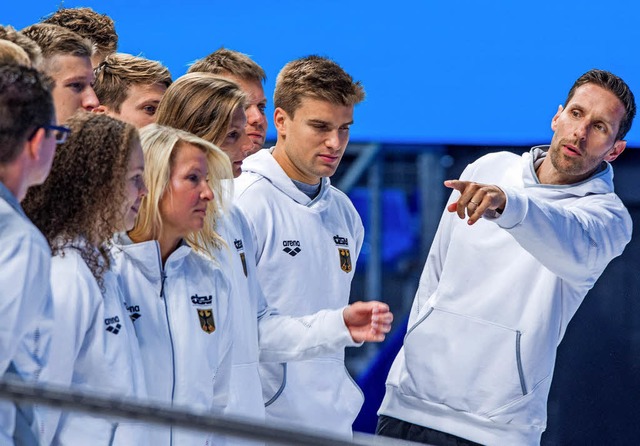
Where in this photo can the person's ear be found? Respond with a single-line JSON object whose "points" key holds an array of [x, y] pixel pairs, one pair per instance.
{"points": [[554, 120], [34, 145], [280, 119], [618, 148], [100, 109]]}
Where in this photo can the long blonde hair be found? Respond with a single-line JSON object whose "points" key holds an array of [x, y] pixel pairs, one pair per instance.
{"points": [[160, 145]]}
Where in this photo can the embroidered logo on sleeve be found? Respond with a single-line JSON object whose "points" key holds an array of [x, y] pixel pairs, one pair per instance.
{"points": [[291, 247], [345, 256], [205, 315], [240, 249], [113, 324]]}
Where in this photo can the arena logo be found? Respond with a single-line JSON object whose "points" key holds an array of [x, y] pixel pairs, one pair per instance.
{"points": [[113, 324], [134, 311], [288, 244]]}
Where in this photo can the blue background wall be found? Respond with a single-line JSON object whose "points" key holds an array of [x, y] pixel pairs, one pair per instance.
{"points": [[436, 72]]}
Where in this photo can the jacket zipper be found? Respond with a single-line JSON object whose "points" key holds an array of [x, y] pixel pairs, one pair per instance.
{"points": [[163, 277]]}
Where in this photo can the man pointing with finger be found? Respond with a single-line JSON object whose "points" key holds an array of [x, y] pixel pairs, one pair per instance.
{"points": [[521, 242]]}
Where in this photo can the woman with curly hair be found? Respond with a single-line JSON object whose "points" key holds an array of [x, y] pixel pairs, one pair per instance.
{"points": [[94, 190], [174, 289]]}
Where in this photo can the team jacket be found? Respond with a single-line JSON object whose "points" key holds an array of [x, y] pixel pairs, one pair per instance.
{"points": [[495, 299], [181, 315], [306, 252], [260, 332], [25, 311], [94, 350]]}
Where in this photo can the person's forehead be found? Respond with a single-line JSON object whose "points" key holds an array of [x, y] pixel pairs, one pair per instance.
{"points": [[65, 64]]}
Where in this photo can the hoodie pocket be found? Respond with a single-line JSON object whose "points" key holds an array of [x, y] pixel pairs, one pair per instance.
{"points": [[465, 363]]}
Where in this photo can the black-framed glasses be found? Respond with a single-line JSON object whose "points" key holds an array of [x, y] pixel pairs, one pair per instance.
{"points": [[60, 132]]}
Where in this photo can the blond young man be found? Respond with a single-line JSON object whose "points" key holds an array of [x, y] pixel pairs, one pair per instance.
{"points": [[130, 88], [67, 60], [98, 28], [307, 235], [239, 68]]}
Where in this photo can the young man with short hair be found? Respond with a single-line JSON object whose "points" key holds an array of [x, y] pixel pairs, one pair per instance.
{"points": [[67, 60], [307, 235], [239, 68], [130, 88], [27, 146]]}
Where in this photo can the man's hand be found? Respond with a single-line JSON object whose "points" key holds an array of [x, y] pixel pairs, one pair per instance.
{"points": [[368, 321], [475, 199]]}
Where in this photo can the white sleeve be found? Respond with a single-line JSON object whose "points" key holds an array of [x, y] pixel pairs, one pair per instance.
{"points": [[588, 232]]}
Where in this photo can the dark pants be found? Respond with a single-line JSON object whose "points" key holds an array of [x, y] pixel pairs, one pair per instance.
{"points": [[392, 427]]}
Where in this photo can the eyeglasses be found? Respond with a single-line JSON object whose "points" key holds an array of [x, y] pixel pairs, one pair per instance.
{"points": [[60, 132]]}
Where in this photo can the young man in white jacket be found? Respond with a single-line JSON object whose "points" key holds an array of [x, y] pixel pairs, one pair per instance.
{"points": [[499, 289], [307, 236], [27, 147]]}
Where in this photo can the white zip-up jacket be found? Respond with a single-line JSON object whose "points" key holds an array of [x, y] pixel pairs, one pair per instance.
{"points": [[306, 252], [260, 332], [26, 311], [182, 317], [94, 350], [495, 299]]}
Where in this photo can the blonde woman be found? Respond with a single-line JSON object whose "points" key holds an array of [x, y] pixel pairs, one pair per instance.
{"points": [[177, 296], [213, 108]]}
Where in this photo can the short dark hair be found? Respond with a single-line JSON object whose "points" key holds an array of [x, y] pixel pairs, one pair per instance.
{"points": [[615, 85], [25, 105], [318, 78], [229, 62]]}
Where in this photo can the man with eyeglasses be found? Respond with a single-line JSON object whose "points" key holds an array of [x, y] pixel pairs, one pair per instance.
{"points": [[27, 146]]}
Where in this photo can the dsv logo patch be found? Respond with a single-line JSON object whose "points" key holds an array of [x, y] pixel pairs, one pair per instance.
{"points": [[291, 247]]}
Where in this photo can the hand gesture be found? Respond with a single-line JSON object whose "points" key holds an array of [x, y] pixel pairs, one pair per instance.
{"points": [[475, 199], [368, 321]]}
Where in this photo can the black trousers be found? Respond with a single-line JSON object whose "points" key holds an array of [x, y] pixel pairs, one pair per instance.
{"points": [[392, 427]]}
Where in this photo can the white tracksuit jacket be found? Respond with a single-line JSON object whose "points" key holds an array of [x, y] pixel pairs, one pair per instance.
{"points": [[306, 252], [260, 332], [181, 315], [26, 310], [495, 299], [94, 349]]}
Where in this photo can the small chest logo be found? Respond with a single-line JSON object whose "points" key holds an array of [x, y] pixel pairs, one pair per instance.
{"points": [[205, 315], [345, 256], [134, 311], [291, 247], [113, 324], [240, 249]]}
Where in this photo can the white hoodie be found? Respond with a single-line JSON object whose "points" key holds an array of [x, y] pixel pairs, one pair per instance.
{"points": [[260, 332], [94, 349], [26, 311], [495, 299], [181, 315], [306, 251]]}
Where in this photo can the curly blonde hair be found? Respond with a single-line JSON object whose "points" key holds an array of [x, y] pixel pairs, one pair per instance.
{"points": [[80, 204]]}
